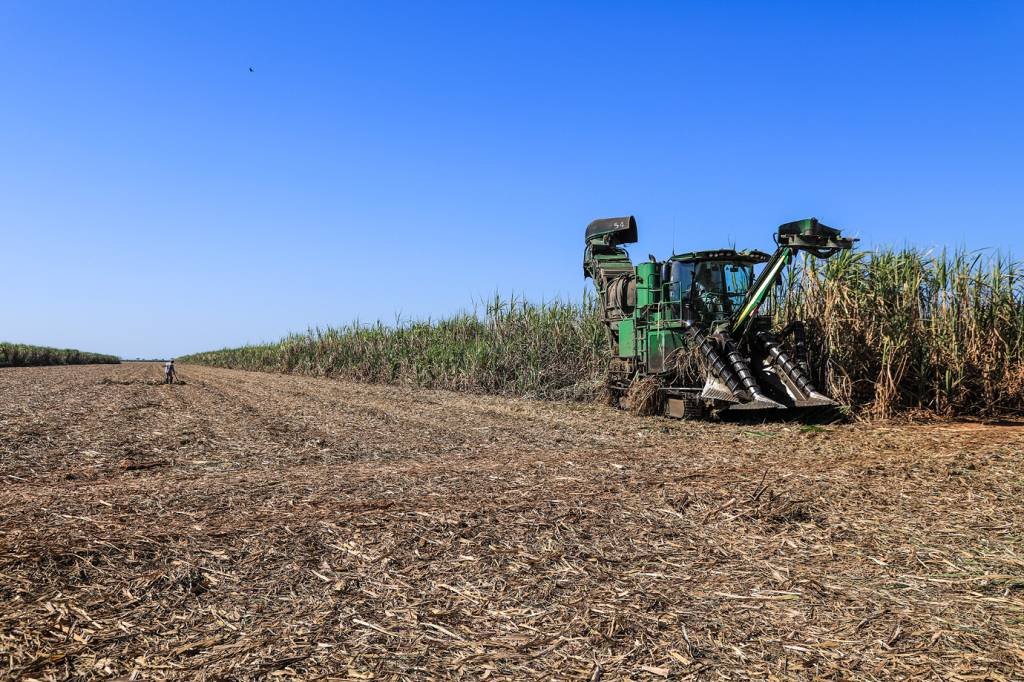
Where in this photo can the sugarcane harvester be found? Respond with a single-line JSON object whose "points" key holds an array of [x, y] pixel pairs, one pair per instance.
{"points": [[698, 323]]}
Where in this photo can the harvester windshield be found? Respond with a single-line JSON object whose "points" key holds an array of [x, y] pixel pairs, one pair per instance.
{"points": [[738, 277], [721, 283]]}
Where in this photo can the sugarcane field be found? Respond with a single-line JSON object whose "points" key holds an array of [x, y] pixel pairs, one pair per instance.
{"points": [[613, 342]]}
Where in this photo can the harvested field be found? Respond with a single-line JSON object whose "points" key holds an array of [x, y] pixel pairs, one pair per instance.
{"points": [[246, 525]]}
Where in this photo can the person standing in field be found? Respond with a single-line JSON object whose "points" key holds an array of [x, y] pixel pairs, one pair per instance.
{"points": [[169, 372]]}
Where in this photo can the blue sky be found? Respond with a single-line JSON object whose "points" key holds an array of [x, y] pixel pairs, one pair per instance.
{"points": [[158, 198]]}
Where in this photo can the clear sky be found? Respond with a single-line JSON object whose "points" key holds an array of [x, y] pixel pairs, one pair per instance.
{"points": [[157, 197]]}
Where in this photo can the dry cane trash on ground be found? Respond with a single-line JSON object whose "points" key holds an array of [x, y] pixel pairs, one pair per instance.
{"points": [[255, 525]]}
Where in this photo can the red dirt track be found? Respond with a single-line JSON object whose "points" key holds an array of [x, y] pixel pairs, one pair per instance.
{"points": [[246, 525]]}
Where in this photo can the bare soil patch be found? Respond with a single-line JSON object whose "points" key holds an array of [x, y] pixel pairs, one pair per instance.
{"points": [[246, 525]]}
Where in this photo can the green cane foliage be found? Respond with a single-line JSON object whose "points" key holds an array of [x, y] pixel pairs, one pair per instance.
{"points": [[23, 355], [506, 346], [890, 331], [899, 330]]}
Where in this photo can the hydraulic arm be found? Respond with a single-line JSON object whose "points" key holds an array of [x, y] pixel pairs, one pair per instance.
{"points": [[809, 235]]}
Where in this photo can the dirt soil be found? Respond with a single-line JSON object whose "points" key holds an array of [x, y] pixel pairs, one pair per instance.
{"points": [[248, 525]]}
